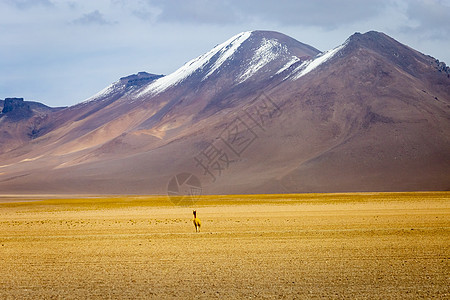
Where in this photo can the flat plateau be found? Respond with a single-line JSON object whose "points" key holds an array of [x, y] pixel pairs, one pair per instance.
{"points": [[355, 246]]}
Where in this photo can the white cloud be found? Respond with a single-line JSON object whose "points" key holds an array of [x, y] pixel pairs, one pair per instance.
{"points": [[46, 55], [94, 17], [27, 4]]}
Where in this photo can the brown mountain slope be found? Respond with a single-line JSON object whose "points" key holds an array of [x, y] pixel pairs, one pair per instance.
{"points": [[21, 121], [260, 113], [388, 107]]}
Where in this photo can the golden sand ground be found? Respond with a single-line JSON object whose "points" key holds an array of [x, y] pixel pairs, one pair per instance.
{"points": [[378, 246]]}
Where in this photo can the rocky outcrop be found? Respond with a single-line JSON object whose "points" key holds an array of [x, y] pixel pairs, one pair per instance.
{"points": [[442, 67], [16, 109], [139, 79]]}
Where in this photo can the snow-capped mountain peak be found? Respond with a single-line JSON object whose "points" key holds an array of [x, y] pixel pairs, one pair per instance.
{"points": [[227, 49], [224, 51], [249, 54]]}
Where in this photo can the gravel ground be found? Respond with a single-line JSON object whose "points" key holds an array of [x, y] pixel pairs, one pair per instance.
{"points": [[352, 248]]}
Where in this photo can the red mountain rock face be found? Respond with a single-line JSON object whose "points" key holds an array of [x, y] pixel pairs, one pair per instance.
{"points": [[260, 113]]}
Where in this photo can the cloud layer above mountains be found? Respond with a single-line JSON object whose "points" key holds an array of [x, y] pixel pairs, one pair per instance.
{"points": [[61, 52]]}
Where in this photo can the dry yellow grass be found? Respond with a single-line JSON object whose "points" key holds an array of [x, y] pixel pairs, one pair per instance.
{"points": [[377, 245]]}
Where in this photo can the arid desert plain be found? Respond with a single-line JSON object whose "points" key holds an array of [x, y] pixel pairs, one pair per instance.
{"points": [[352, 246]]}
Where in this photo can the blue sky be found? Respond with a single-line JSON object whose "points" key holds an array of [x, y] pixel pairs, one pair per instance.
{"points": [[61, 52]]}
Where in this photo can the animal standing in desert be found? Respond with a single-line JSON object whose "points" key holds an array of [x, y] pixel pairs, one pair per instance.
{"points": [[196, 221]]}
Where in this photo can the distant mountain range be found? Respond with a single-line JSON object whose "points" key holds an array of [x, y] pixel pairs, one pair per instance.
{"points": [[259, 113]]}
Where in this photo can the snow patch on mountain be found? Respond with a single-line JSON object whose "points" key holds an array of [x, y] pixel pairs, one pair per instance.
{"points": [[268, 51], [224, 50], [310, 65], [288, 64], [227, 49], [103, 93]]}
